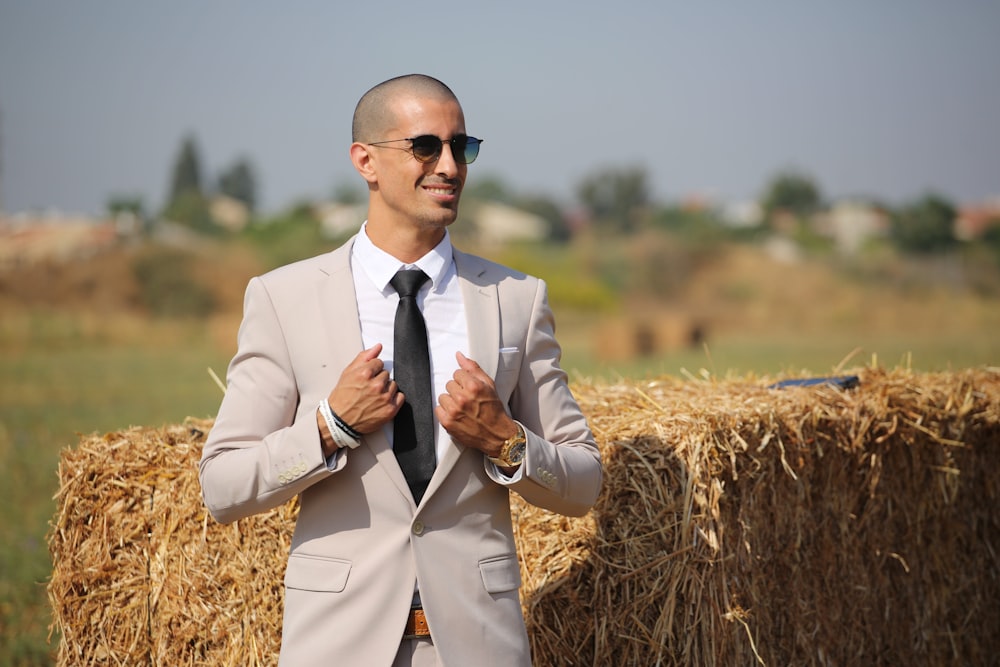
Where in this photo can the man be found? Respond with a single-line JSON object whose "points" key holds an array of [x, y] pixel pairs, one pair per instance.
{"points": [[391, 565]]}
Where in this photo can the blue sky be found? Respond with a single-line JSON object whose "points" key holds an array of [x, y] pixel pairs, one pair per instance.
{"points": [[883, 98]]}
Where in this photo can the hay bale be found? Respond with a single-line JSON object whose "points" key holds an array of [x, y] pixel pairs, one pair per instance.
{"points": [[647, 335], [142, 574], [813, 526], [737, 525]]}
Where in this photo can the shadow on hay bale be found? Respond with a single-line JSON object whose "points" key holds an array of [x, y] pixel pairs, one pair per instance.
{"points": [[738, 525]]}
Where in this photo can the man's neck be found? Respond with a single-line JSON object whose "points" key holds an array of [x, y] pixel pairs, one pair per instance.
{"points": [[407, 244]]}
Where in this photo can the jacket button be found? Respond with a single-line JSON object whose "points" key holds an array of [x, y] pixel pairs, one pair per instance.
{"points": [[418, 527]]}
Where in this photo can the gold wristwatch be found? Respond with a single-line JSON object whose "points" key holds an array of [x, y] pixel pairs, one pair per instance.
{"points": [[512, 450]]}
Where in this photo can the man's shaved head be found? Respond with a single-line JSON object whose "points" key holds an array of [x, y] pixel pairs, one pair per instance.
{"points": [[374, 115]]}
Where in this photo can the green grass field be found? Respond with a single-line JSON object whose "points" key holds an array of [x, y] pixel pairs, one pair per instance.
{"points": [[62, 376], [740, 356], [57, 385]]}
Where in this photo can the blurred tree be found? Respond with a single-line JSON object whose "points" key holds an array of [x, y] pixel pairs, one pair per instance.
{"points": [[239, 183], [682, 220], [991, 237], [186, 176], [1, 163], [168, 283], [192, 209], [616, 197], [991, 240], [291, 235], [348, 193], [488, 188], [119, 204], [187, 203], [556, 225], [791, 192], [925, 226]]}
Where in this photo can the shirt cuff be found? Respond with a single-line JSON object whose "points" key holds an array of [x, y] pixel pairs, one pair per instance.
{"points": [[504, 477], [331, 461]]}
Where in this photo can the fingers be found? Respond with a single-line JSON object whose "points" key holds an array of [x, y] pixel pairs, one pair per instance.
{"points": [[470, 409], [365, 396], [470, 380], [369, 358], [467, 364], [371, 352], [366, 368], [470, 391]]}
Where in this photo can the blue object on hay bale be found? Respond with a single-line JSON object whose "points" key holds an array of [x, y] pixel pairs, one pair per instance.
{"points": [[842, 381]]}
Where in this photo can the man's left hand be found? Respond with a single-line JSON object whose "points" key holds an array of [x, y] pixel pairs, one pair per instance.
{"points": [[471, 411]]}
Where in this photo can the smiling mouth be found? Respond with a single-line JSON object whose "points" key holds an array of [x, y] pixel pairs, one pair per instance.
{"points": [[445, 193], [440, 190]]}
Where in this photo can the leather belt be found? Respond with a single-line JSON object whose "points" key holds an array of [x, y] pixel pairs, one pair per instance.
{"points": [[416, 625]]}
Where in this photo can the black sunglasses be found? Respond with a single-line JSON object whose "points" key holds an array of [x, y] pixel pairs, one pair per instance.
{"points": [[427, 147]]}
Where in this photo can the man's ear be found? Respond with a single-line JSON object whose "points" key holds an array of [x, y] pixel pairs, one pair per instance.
{"points": [[361, 157]]}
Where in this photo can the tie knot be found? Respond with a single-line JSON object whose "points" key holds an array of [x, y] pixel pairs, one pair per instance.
{"points": [[407, 282]]}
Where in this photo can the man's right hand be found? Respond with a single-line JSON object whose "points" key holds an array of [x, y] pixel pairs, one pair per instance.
{"points": [[365, 396]]}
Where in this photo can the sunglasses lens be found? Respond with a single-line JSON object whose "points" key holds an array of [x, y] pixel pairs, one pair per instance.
{"points": [[468, 150], [426, 147]]}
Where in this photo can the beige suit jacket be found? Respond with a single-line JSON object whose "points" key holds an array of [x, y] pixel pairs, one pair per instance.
{"points": [[360, 543]]}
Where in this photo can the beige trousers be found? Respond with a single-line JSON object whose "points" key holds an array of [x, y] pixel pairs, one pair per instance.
{"points": [[416, 653]]}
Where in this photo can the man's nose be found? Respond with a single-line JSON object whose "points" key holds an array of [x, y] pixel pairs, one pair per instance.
{"points": [[446, 164]]}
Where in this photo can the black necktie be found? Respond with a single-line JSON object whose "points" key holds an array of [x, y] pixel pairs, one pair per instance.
{"points": [[413, 439]]}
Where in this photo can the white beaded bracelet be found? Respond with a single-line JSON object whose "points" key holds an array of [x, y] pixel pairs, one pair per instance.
{"points": [[337, 427]]}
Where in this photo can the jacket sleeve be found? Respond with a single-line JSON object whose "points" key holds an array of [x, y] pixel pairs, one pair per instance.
{"points": [[264, 447], [562, 468]]}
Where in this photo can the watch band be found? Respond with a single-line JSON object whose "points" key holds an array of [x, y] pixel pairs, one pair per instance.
{"points": [[504, 460]]}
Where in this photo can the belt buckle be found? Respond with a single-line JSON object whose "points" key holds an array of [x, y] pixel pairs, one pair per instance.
{"points": [[416, 625]]}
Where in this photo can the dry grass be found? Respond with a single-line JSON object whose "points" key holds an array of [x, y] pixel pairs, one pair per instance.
{"points": [[742, 525], [143, 575], [738, 525]]}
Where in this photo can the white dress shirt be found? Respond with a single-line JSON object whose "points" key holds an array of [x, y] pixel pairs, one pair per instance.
{"points": [[439, 299]]}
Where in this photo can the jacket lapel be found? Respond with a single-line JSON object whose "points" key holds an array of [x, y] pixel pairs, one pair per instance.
{"points": [[482, 316], [338, 303], [482, 311], [339, 307]]}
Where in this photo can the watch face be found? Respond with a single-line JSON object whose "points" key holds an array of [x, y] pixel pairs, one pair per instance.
{"points": [[516, 454]]}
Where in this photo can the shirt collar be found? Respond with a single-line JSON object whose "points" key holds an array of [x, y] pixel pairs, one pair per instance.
{"points": [[380, 266]]}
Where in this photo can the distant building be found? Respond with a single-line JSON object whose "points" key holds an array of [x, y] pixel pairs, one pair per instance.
{"points": [[973, 220], [337, 220], [27, 239], [492, 222], [742, 214], [851, 223], [499, 223], [229, 212]]}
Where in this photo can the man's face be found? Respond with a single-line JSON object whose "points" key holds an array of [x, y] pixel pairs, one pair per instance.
{"points": [[413, 192]]}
